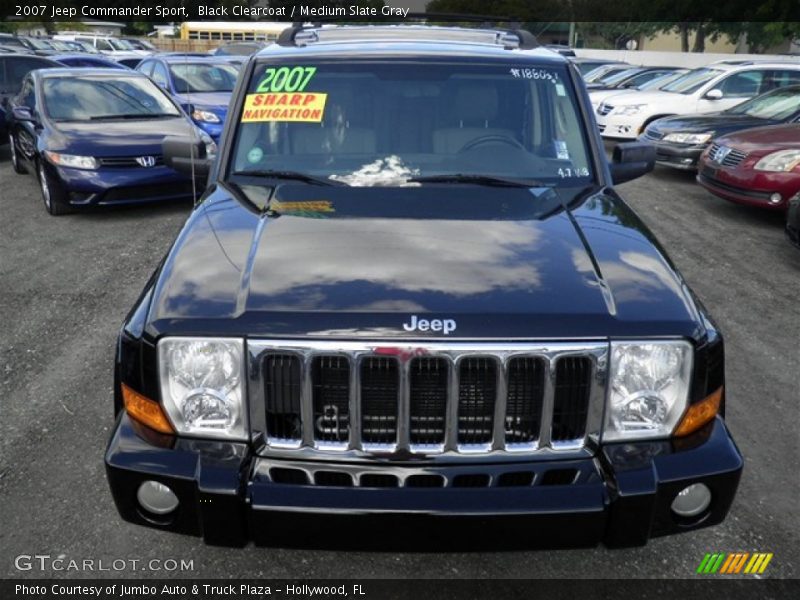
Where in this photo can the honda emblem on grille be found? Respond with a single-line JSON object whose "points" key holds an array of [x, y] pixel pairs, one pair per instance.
{"points": [[146, 161], [720, 154]]}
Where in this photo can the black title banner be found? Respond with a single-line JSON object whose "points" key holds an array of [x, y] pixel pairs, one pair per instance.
{"points": [[396, 589], [689, 11]]}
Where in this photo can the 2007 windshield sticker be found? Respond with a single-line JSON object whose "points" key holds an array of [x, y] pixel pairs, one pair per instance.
{"points": [[302, 107], [286, 79]]}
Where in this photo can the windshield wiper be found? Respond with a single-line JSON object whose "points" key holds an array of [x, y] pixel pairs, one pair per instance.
{"points": [[296, 175], [490, 180], [132, 116]]}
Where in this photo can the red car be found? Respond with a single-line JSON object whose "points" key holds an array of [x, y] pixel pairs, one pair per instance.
{"points": [[759, 167]]}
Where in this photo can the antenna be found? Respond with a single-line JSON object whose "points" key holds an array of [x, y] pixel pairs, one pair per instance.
{"points": [[196, 138]]}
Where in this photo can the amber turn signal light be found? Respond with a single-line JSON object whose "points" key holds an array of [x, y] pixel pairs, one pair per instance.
{"points": [[699, 413], [146, 411]]}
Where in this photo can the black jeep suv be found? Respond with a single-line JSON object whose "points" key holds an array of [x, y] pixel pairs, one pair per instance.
{"points": [[411, 290]]}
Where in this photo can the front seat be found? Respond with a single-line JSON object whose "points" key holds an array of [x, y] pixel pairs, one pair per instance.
{"points": [[334, 135], [474, 107]]}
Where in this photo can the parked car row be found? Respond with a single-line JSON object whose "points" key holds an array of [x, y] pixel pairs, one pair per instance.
{"points": [[735, 122]]}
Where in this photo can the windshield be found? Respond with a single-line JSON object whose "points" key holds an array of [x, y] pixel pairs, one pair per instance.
{"points": [[202, 77], [40, 44], [595, 75], [102, 97], [692, 81], [120, 44], [659, 82], [615, 77], [587, 67], [384, 123], [778, 105]]}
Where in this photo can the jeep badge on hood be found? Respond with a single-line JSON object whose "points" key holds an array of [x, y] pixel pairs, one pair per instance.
{"points": [[416, 324]]}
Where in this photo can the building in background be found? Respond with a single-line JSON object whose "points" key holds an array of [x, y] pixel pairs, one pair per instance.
{"points": [[232, 31]]}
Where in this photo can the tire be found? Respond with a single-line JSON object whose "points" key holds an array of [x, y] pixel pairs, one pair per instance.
{"points": [[53, 195], [15, 163]]}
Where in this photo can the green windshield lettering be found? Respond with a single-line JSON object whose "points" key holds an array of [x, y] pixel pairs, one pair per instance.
{"points": [[286, 79]]}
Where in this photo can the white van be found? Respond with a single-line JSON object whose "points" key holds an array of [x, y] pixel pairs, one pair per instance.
{"points": [[109, 45]]}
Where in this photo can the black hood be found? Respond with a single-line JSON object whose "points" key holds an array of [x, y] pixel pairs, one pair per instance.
{"points": [[505, 262], [720, 123]]}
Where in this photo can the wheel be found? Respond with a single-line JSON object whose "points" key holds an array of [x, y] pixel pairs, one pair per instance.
{"points": [[55, 201], [18, 167], [491, 139]]}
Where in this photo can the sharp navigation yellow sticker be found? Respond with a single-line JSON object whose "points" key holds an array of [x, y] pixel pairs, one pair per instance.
{"points": [[302, 207], [302, 107]]}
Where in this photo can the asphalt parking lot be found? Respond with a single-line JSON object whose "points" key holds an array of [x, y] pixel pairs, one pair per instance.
{"points": [[66, 284]]}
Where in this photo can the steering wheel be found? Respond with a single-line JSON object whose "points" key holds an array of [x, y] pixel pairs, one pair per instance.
{"points": [[491, 139]]}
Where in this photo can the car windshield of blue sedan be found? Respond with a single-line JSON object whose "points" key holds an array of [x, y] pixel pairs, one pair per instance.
{"points": [[399, 122], [200, 77], [778, 105], [87, 98]]}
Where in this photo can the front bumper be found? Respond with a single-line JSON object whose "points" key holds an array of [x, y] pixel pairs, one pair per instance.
{"points": [[112, 186], [621, 497], [678, 156], [747, 186], [620, 127]]}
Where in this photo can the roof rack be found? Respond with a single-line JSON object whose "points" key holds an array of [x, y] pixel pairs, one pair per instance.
{"points": [[303, 34]]}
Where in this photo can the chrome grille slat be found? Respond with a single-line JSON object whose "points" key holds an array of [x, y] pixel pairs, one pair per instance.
{"points": [[432, 399], [127, 161], [477, 395], [380, 398], [427, 388]]}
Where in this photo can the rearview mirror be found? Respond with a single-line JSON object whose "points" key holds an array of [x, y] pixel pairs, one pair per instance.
{"points": [[631, 160], [187, 156], [22, 113], [715, 94]]}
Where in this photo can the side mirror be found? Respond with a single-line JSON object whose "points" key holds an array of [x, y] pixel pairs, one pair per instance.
{"points": [[715, 94], [187, 156], [22, 113], [631, 160]]}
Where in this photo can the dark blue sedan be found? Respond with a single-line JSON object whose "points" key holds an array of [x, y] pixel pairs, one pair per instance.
{"points": [[93, 137], [201, 85]]}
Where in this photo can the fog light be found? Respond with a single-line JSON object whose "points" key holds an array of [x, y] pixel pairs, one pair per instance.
{"points": [[157, 498], [775, 198], [692, 501]]}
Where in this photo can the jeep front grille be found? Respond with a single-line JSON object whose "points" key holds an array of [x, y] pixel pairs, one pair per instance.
{"points": [[435, 399]]}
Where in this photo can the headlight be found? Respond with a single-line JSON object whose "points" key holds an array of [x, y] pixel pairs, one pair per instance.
{"points": [[629, 109], [206, 116], [649, 388], [688, 138], [211, 146], [202, 382], [71, 160], [781, 161]]}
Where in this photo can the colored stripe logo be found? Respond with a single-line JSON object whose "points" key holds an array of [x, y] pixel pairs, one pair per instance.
{"points": [[734, 563]]}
